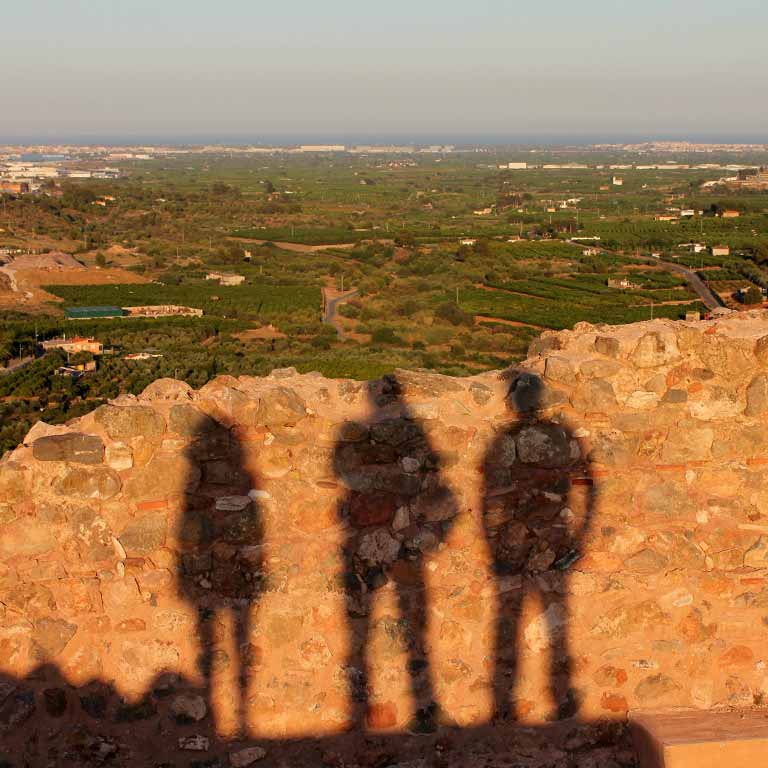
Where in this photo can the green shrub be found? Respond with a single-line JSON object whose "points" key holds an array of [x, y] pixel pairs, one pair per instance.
{"points": [[453, 314], [386, 336]]}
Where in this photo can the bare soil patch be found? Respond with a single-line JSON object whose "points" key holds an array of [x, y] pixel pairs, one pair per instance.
{"points": [[266, 333]]}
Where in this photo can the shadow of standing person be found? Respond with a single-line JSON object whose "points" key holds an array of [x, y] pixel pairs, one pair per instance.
{"points": [[221, 530], [396, 511], [538, 504]]}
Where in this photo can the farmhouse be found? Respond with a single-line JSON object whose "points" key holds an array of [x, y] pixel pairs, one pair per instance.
{"points": [[721, 250], [74, 345], [226, 278], [622, 284], [14, 187], [163, 310], [75, 371]]}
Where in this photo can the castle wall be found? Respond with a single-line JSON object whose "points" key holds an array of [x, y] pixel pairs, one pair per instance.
{"points": [[298, 555]]}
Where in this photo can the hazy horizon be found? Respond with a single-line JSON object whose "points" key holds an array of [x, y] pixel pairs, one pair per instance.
{"points": [[501, 142], [498, 72]]}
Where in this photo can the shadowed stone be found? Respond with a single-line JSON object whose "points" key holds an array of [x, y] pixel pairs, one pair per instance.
{"points": [[186, 420], [74, 446], [544, 445]]}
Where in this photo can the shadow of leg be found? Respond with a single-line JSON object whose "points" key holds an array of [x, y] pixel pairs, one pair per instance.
{"points": [[413, 608], [358, 614], [565, 697], [506, 648], [205, 620], [242, 618]]}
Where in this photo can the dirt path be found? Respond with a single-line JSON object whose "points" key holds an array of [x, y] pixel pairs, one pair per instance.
{"points": [[480, 319], [295, 247], [331, 300]]}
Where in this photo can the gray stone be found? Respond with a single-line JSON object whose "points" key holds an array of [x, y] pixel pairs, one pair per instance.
{"points": [[757, 555], [189, 708], [93, 534], [145, 534], [280, 407], [424, 383], [599, 368], [547, 342], [90, 483], [28, 537], [167, 390], [761, 350], [646, 562], [352, 432], [73, 446], [378, 548], [757, 396], [687, 444], [480, 393], [606, 345], [186, 420], [674, 396], [50, 637], [196, 743], [396, 432], [163, 476], [247, 756], [503, 451], [559, 369], [544, 445], [119, 456], [594, 395], [654, 350], [656, 687], [125, 422]]}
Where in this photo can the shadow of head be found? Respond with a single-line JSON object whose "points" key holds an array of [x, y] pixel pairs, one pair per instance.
{"points": [[525, 394]]}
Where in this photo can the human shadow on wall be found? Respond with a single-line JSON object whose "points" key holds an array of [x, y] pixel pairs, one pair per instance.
{"points": [[221, 535], [538, 504], [396, 510]]}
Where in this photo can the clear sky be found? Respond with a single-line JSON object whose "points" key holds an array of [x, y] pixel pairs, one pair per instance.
{"points": [[259, 69]]}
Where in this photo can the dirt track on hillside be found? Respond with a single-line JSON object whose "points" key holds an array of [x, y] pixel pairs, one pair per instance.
{"points": [[29, 296]]}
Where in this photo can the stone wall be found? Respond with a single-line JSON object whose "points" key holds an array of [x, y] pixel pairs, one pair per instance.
{"points": [[294, 556]]}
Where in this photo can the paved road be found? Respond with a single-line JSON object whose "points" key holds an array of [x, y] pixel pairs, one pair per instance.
{"points": [[331, 305], [697, 285], [708, 299]]}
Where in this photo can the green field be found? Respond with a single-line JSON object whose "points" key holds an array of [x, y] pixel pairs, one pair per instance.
{"points": [[419, 289]]}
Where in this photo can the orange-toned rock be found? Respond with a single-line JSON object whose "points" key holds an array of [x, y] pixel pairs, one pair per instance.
{"points": [[382, 716]]}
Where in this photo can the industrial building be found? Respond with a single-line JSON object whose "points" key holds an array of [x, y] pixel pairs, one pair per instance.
{"points": [[86, 313]]}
